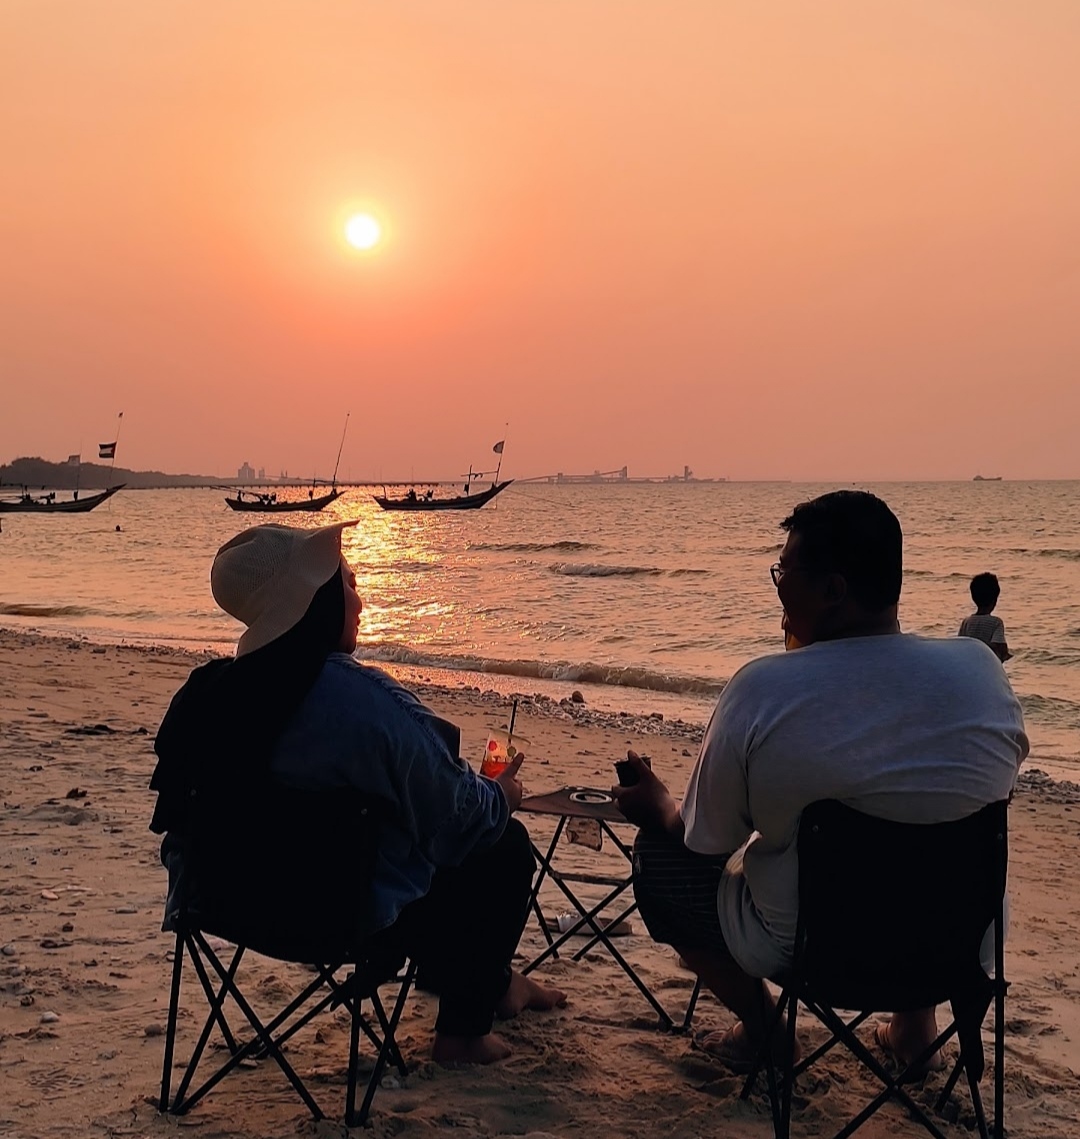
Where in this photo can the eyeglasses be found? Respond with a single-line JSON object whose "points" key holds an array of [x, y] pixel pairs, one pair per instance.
{"points": [[777, 571]]}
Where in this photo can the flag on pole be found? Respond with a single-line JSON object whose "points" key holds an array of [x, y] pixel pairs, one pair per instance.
{"points": [[74, 460], [498, 448], [106, 451]]}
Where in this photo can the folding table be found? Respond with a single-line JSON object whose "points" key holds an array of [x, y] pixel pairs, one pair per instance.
{"points": [[589, 803]]}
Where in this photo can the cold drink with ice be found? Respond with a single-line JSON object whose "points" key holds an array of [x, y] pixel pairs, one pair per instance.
{"points": [[500, 751]]}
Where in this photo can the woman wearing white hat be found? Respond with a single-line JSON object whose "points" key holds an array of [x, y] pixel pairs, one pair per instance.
{"points": [[295, 703]]}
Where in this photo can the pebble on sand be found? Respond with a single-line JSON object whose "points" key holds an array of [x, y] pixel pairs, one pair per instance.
{"points": [[153, 1030], [50, 895], [49, 1017]]}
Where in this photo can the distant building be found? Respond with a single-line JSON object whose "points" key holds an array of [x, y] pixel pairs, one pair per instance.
{"points": [[262, 474], [246, 473]]}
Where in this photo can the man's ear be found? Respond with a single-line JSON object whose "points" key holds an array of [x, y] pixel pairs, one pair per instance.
{"points": [[836, 590]]}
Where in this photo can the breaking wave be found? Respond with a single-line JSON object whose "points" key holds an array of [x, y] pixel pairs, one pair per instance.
{"points": [[16, 609], [531, 547], [596, 569], [582, 673]]}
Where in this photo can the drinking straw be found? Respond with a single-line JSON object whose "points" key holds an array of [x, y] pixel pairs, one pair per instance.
{"points": [[510, 730]]}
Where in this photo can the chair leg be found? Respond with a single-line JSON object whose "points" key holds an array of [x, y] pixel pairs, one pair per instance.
{"points": [[354, 1055], [170, 1031], [389, 1046], [789, 1070], [999, 1057], [691, 1008]]}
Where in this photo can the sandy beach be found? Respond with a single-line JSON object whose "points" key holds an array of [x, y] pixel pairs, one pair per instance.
{"points": [[84, 970]]}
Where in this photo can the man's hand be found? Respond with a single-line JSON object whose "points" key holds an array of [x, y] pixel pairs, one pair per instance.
{"points": [[509, 782], [648, 803]]}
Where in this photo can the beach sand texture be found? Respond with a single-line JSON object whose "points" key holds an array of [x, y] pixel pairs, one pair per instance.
{"points": [[81, 892]]}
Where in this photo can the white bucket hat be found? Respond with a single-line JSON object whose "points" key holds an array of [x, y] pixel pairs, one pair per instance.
{"points": [[268, 575]]}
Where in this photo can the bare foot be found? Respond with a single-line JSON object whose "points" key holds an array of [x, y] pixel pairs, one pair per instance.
{"points": [[525, 993], [908, 1035], [469, 1049]]}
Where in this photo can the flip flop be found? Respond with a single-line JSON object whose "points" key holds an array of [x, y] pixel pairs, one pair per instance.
{"points": [[936, 1063]]}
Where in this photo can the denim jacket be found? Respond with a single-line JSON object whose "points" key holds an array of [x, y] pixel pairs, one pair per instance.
{"points": [[359, 728]]}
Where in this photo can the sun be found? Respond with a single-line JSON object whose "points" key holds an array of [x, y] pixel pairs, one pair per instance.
{"points": [[362, 231]]}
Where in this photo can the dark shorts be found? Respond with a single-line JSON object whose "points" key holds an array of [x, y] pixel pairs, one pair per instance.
{"points": [[676, 891]]}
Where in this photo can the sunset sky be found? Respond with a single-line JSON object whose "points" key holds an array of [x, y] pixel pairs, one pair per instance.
{"points": [[828, 240]]}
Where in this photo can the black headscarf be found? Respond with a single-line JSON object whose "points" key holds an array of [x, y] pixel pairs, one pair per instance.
{"points": [[223, 724]]}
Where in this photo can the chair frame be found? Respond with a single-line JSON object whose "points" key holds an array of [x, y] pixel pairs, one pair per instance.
{"points": [[799, 988], [270, 1037]]}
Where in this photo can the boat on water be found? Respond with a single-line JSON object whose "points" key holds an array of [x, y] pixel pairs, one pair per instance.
{"points": [[410, 500], [26, 503], [987, 478], [269, 504], [467, 501]]}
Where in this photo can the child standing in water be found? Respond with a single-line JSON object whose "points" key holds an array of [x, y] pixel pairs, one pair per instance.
{"points": [[982, 624]]}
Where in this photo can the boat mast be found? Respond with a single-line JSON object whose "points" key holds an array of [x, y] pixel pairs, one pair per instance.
{"points": [[340, 445], [502, 447]]}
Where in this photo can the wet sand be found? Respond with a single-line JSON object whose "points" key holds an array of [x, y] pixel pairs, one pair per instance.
{"points": [[84, 971]]}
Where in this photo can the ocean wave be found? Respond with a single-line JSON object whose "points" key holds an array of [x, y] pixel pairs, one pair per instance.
{"points": [[17, 609], [399, 567], [581, 673], [597, 569], [1055, 710], [530, 547]]}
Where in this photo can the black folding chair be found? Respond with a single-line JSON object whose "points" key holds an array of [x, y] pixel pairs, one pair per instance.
{"points": [[891, 918], [287, 874]]}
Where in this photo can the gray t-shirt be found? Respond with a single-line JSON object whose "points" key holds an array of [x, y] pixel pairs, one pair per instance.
{"points": [[901, 727], [983, 627]]}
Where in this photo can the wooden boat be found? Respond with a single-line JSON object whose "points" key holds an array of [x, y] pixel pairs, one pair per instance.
{"points": [[413, 501], [47, 504], [268, 503]]}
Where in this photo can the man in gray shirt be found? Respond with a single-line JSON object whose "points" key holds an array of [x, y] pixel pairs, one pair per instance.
{"points": [[898, 726]]}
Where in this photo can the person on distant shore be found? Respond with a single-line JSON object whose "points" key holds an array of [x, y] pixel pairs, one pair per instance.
{"points": [[898, 726], [296, 707], [982, 625]]}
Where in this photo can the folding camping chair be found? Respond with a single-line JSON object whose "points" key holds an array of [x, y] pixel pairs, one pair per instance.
{"points": [[891, 918], [287, 874]]}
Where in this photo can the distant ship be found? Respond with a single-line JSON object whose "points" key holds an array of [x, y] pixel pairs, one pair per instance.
{"points": [[987, 478]]}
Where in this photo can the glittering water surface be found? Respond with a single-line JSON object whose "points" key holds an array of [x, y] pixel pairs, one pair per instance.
{"points": [[646, 596]]}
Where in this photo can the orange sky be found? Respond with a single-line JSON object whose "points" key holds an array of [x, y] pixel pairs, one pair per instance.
{"points": [[834, 240]]}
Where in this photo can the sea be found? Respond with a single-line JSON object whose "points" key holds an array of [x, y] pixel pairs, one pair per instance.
{"points": [[645, 597]]}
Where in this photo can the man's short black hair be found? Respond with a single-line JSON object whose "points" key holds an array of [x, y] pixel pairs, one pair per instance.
{"points": [[852, 533], [985, 589]]}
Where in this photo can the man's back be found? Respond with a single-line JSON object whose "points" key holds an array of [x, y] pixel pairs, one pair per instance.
{"points": [[898, 726]]}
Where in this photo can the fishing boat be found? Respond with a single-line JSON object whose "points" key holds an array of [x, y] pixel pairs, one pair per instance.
{"points": [[410, 500], [268, 503], [468, 501], [26, 503]]}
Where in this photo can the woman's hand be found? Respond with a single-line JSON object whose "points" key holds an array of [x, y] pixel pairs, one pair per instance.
{"points": [[508, 780], [648, 803]]}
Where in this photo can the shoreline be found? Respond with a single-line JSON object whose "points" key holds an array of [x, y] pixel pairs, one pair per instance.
{"points": [[418, 677], [497, 701]]}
